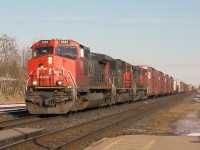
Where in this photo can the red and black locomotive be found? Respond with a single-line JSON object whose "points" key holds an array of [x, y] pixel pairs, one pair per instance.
{"points": [[65, 76]]}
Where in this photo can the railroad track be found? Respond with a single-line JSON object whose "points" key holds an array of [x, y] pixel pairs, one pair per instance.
{"points": [[25, 121], [18, 121], [69, 138], [110, 129]]}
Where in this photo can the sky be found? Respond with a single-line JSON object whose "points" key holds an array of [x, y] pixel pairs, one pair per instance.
{"points": [[164, 34]]}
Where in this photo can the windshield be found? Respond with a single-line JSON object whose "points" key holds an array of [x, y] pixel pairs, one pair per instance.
{"points": [[66, 51], [39, 51]]}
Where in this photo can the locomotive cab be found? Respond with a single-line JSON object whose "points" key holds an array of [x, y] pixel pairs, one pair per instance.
{"points": [[140, 74]]}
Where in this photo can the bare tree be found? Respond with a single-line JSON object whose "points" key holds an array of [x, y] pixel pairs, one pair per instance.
{"points": [[13, 66], [9, 56], [25, 56]]}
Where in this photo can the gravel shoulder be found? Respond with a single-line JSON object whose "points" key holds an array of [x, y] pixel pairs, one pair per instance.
{"points": [[165, 121], [160, 127]]}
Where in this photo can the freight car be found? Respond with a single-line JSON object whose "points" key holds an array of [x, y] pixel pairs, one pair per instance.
{"points": [[64, 76], [156, 82], [180, 86]]}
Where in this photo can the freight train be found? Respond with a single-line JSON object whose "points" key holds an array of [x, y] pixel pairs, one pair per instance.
{"points": [[64, 76]]}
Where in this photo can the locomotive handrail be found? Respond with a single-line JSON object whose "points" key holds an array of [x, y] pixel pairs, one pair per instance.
{"points": [[75, 85], [26, 82], [72, 78], [109, 79], [114, 80]]}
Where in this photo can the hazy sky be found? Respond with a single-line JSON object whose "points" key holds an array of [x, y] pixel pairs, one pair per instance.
{"points": [[164, 34]]}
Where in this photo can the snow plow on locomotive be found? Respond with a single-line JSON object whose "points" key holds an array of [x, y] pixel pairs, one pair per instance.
{"points": [[65, 76]]}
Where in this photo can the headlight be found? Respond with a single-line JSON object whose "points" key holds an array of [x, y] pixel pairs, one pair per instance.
{"points": [[34, 83], [59, 82]]}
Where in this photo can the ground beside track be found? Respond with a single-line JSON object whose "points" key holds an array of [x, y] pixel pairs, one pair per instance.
{"points": [[165, 121], [183, 118], [159, 122]]}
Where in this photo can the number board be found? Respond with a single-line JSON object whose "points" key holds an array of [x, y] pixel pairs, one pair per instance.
{"points": [[44, 42], [64, 41]]}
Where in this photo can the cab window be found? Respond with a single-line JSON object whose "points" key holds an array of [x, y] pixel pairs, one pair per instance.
{"points": [[66, 51], [128, 68], [39, 51]]}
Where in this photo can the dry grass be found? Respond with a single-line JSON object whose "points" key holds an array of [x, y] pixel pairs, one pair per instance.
{"points": [[164, 119], [11, 99]]}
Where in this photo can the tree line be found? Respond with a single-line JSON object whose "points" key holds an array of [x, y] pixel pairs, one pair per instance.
{"points": [[13, 66]]}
